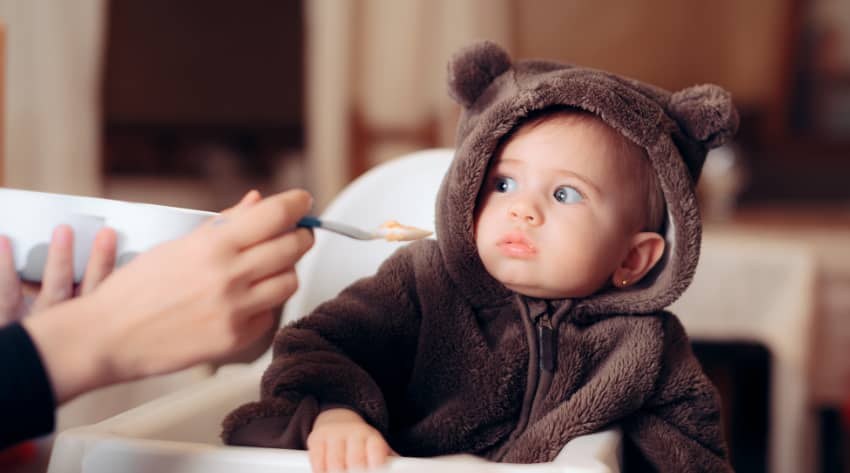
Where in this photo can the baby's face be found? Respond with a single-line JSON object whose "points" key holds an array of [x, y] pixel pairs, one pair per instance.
{"points": [[556, 212]]}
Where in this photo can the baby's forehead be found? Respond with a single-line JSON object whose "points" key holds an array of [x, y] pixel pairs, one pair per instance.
{"points": [[592, 128], [575, 119]]}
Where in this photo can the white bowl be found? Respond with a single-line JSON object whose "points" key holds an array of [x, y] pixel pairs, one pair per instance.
{"points": [[28, 218]]}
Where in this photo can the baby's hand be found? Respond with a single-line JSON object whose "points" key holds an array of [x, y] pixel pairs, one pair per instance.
{"points": [[341, 440]]}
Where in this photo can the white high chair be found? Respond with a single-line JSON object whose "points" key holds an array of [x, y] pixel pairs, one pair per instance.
{"points": [[179, 432]]}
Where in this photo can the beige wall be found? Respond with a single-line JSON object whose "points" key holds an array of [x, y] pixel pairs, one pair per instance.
{"points": [[672, 43], [386, 58], [386, 61], [52, 112]]}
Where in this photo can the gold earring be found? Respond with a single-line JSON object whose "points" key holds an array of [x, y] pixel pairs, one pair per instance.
{"points": [[624, 282]]}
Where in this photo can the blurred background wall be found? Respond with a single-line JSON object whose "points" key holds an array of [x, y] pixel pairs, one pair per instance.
{"points": [[192, 103], [53, 80], [316, 92]]}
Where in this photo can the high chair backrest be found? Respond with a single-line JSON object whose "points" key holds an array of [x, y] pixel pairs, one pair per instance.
{"points": [[403, 189]]}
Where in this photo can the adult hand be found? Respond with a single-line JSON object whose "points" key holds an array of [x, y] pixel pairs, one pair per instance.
{"points": [[186, 301], [253, 351], [18, 299]]}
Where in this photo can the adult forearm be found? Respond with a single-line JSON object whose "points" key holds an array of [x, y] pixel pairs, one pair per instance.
{"points": [[70, 340]]}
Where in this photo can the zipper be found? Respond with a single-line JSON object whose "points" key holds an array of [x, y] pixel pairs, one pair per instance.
{"points": [[546, 338], [546, 341], [547, 349]]}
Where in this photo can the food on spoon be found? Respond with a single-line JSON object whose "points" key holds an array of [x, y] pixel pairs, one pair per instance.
{"points": [[391, 230]]}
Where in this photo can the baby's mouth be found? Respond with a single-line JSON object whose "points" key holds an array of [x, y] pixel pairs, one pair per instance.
{"points": [[517, 245]]}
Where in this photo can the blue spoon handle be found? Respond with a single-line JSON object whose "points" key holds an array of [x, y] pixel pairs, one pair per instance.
{"points": [[309, 222]]}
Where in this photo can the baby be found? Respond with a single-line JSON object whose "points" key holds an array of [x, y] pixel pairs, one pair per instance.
{"points": [[566, 223]]}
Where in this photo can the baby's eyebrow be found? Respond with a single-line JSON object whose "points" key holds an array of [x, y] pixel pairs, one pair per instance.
{"points": [[584, 180], [505, 162]]}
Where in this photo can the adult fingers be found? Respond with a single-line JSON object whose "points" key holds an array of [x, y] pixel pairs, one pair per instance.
{"points": [[257, 346], [265, 219], [102, 259], [250, 198], [274, 256], [57, 281], [270, 292], [254, 328], [10, 284]]}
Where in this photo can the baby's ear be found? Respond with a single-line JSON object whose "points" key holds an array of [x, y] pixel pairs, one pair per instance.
{"points": [[646, 250], [473, 68], [706, 113]]}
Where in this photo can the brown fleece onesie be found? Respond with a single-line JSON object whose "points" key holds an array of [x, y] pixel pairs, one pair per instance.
{"points": [[441, 358]]}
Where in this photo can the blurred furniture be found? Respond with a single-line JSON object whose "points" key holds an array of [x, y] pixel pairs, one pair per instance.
{"points": [[179, 432], [741, 371], [755, 290], [2, 101], [846, 412], [825, 232], [797, 142]]}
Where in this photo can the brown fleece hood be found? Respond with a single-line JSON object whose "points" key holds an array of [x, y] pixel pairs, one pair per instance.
{"points": [[676, 130]]}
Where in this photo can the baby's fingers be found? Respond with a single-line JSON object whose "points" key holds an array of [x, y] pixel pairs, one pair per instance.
{"points": [[377, 451], [355, 454], [317, 450], [335, 455]]}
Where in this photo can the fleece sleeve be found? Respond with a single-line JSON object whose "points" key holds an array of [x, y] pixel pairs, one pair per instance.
{"points": [[26, 397], [679, 428], [355, 350]]}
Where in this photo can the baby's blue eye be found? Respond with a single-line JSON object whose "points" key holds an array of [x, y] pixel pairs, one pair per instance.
{"points": [[567, 195], [504, 184]]}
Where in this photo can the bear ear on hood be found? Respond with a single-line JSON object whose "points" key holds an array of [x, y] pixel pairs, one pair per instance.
{"points": [[706, 113], [472, 69]]}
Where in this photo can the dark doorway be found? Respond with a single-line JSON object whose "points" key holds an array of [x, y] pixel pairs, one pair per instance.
{"points": [[187, 82], [741, 372]]}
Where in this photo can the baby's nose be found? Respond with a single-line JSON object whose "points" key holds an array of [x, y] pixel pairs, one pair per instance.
{"points": [[526, 213]]}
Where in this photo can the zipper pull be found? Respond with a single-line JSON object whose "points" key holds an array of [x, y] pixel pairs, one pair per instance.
{"points": [[546, 337]]}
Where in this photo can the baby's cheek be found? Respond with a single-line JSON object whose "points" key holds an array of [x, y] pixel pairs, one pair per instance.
{"points": [[481, 223]]}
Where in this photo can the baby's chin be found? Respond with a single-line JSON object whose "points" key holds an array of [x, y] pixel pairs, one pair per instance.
{"points": [[539, 292]]}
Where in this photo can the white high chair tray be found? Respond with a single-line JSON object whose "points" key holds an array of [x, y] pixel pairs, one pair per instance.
{"points": [[179, 433]]}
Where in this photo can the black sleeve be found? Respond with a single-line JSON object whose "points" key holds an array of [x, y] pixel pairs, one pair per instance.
{"points": [[26, 397]]}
